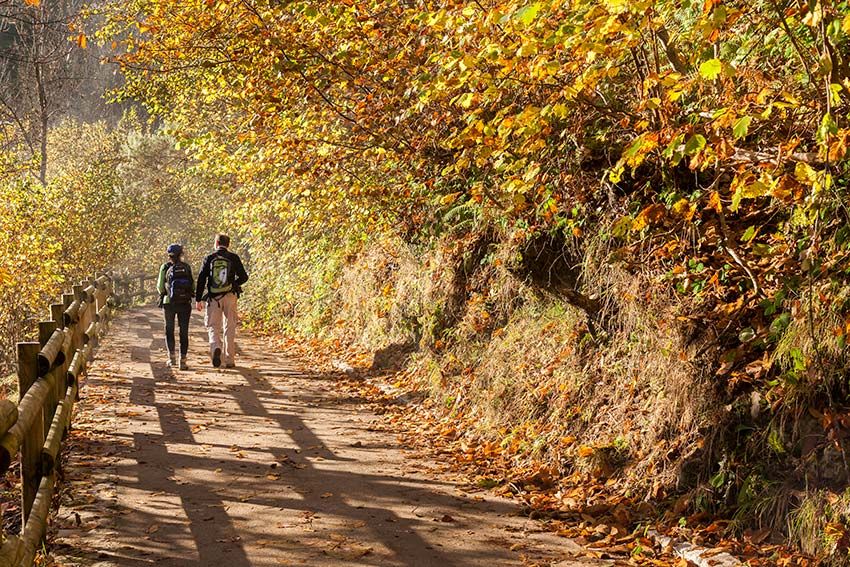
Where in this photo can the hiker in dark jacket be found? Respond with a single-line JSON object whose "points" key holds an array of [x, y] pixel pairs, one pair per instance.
{"points": [[176, 288], [219, 285]]}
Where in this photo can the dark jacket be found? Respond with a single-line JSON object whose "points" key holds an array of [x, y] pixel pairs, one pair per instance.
{"points": [[239, 274]]}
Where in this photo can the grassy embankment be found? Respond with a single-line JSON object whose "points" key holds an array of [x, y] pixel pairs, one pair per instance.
{"points": [[556, 357]]}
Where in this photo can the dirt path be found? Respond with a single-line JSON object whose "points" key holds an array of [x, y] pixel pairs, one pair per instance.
{"points": [[262, 465]]}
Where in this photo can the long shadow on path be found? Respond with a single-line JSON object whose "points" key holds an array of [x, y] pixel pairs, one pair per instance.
{"points": [[267, 465]]}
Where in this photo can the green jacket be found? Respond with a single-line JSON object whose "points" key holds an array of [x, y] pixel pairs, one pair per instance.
{"points": [[160, 281]]}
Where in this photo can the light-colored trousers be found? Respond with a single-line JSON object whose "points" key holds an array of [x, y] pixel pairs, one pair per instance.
{"points": [[222, 310]]}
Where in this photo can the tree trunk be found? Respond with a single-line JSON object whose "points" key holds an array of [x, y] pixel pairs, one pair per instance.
{"points": [[42, 97]]}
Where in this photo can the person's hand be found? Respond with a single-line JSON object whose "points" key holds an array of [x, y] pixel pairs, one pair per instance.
{"points": [[199, 305]]}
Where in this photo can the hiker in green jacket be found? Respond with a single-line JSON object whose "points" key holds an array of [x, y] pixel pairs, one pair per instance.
{"points": [[176, 289]]}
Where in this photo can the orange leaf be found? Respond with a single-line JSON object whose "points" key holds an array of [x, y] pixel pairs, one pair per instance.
{"points": [[585, 451], [650, 215], [714, 201]]}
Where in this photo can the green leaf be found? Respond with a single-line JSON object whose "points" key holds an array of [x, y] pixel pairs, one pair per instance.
{"points": [[695, 143], [621, 227], [760, 249], [828, 127], [633, 148], [527, 14], [746, 335], [781, 323], [749, 234], [675, 145], [798, 359], [711, 69], [741, 127], [718, 480]]}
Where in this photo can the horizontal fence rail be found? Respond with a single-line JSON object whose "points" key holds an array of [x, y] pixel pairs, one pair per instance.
{"points": [[49, 373]]}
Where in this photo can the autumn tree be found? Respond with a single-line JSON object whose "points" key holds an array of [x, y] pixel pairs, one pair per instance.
{"points": [[667, 117], [48, 73]]}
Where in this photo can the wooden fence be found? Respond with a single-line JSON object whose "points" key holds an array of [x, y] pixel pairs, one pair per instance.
{"points": [[130, 289], [48, 377]]}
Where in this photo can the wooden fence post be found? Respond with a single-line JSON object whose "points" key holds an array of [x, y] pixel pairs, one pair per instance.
{"points": [[45, 330], [56, 310], [34, 438]]}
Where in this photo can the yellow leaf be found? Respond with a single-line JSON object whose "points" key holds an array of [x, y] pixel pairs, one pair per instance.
{"points": [[685, 209], [82, 41], [755, 189], [638, 224], [804, 173], [616, 6], [450, 198], [710, 69], [527, 14]]}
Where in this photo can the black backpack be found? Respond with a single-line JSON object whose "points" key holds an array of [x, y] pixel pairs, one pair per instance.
{"points": [[178, 283]]}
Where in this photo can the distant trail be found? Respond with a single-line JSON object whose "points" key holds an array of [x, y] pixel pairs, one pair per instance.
{"points": [[263, 465]]}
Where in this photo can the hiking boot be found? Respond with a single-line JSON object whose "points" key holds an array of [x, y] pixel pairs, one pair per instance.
{"points": [[171, 360], [216, 358], [183, 364]]}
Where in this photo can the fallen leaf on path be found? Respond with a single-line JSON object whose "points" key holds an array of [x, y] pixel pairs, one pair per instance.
{"points": [[349, 552]]}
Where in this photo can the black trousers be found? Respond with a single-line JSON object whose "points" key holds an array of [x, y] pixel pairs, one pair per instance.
{"points": [[182, 312]]}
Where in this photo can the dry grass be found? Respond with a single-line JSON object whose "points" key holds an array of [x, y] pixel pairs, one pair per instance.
{"points": [[523, 363], [9, 387], [818, 525], [380, 296], [810, 342]]}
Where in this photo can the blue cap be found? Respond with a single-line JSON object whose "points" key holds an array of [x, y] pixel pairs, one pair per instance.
{"points": [[174, 250]]}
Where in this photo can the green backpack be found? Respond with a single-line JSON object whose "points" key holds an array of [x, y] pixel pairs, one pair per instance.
{"points": [[221, 275]]}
